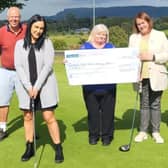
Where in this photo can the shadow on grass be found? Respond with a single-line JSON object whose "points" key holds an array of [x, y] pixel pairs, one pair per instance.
{"points": [[81, 125], [120, 123], [15, 124], [125, 122], [164, 117]]}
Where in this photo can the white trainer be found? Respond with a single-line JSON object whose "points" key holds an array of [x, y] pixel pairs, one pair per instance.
{"points": [[141, 137], [158, 139]]}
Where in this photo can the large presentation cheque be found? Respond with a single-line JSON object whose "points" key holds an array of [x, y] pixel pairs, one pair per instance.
{"points": [[102, 66]]}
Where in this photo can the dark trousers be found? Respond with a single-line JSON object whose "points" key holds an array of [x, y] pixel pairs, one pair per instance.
{"points": [[150, 110], [100, 107]]}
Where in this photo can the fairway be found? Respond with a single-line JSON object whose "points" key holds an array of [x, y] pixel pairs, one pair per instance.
{"points": [[72, 118]]}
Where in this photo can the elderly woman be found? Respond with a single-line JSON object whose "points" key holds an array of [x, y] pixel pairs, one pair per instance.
{"points": [[34, 57], [100, 99], [153, 47]]}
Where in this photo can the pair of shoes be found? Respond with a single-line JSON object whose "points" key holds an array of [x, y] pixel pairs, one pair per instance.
{"points": [[59, 156], [93, 141], [3, 134], [141, 137], [158, 139], [106, 142]]}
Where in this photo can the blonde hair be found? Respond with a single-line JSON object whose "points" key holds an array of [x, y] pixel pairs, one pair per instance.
{"points": [[97, 29]]}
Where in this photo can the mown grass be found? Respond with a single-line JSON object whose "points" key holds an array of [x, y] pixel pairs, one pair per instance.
{"points": [[72, 118]]}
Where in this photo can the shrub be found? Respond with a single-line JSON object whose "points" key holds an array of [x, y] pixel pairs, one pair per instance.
{"points": [[59, 44]]}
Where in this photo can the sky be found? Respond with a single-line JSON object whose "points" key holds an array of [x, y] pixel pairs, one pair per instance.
{"points": [[52, 7]]}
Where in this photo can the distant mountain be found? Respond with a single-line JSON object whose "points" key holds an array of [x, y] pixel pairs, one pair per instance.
{"points": [[128, 11]]}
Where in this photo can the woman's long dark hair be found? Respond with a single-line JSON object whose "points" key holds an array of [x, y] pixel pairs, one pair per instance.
{"points": [[27, 39]]}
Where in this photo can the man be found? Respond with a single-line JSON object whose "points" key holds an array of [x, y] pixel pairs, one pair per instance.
{"points": [[9, 34]]}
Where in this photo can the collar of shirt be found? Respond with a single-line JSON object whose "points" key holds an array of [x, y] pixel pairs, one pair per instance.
{"points": [[19, 30]]}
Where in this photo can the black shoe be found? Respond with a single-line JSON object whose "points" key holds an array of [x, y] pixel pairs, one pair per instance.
{"points": [[93, 141], [59, 156], [3, 134], [29, 151], [106, 142]]}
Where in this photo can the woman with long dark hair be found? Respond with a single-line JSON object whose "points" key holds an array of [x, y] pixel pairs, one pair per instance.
{"points": [[34, 57]]}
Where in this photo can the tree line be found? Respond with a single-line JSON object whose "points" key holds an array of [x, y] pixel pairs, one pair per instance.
{"points": [[120, 28]]}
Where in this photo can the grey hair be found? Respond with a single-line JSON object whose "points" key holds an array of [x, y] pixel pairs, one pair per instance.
{"points": [[13, 8]]}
